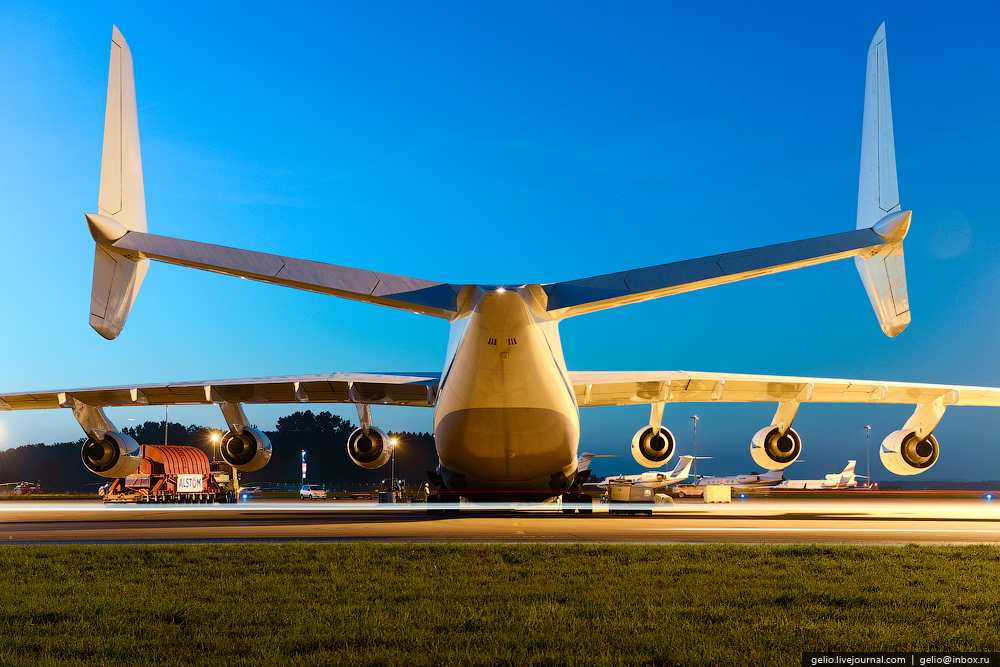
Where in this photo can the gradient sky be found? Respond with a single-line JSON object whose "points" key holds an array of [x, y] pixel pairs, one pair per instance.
{"points": [[511, 142]]}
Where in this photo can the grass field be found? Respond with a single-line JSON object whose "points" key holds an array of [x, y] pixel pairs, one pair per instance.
{"points": [[371, 604]]}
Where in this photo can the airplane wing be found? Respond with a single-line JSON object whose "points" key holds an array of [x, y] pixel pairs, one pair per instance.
{"points": [[418, 390], [623, 388]]}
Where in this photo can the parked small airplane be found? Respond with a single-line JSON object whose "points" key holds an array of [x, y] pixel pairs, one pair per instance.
{"points": [[751, 481], [654, 480], [842, 480]]}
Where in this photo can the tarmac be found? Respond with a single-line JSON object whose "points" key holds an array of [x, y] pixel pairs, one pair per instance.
{"points": [[891, 520]]}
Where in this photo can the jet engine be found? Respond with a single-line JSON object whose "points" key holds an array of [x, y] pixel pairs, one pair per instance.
{"points": [[115, 456], [652, 449], [905, 453], [248, 450], [773, 451], [369, 451]]}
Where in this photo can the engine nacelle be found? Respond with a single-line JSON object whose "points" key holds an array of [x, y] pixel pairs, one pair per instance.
{"points": [[652, 450], [249, 450], [115, 456], [905, 453], [369, 451], [773, 451]]}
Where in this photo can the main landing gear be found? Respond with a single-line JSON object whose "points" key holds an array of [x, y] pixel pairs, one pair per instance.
{"points": [[581, 502], [435, 502]]}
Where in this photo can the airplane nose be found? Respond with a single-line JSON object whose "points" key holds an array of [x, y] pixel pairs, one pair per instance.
{"points": [[498, 444]]}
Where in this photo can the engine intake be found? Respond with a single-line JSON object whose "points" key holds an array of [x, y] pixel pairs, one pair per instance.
{"points": [[773, 451], [249, 450], [906, 453], [115, 456], [652, 450], [369, 451]]}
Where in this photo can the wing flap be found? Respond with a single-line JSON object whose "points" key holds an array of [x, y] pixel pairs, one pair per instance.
{"points": [[614, 388], [382, 389]]}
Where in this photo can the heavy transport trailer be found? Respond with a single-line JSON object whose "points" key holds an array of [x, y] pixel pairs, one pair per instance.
{"points": [[625, 498], [629, 498], [175, 474]]}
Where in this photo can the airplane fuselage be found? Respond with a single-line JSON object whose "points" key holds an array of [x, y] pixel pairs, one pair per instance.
{"points": [[743, 481], [506, 419]]}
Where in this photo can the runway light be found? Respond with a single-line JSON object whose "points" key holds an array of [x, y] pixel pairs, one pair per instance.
{"points": [[989, 496], [743, 496]]}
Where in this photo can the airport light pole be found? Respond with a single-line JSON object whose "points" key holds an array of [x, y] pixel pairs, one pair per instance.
{"points": [[694, 420], [393, 441], [215, 438], [868, 454]]}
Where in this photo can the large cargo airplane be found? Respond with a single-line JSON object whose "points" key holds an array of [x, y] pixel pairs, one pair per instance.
{"points": [[506, 408]]}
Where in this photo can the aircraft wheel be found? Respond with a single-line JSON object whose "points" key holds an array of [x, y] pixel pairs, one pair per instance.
{"points": [[568, 498], [588, 503]]}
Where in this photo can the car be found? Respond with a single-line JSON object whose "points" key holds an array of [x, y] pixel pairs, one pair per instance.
{"points": [[312, 492], [688, 491]]}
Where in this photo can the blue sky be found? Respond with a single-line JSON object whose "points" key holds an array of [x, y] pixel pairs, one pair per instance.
{"points": [[509, 143]]}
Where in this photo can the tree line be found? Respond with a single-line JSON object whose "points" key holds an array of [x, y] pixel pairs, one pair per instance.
{"points": [[323, 436]]}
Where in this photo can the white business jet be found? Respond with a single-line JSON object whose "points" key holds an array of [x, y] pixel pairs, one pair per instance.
{"points": [[751, 481], [843, 480], [653, 480]]}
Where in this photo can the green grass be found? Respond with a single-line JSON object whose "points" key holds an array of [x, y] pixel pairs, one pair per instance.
{"points": [[371, 604]]}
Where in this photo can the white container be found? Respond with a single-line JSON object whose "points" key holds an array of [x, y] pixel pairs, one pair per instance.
{"points": [[718, 493]]}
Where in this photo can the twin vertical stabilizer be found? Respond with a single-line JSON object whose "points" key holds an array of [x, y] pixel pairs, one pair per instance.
{"points": [[878, 196], [117, 278]]}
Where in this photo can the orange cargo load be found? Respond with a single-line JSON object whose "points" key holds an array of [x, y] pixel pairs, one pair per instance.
{"points": [[174, 460]]}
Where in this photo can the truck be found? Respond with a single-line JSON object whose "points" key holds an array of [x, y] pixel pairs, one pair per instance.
{"points": [[622, 495], [175, 474]]}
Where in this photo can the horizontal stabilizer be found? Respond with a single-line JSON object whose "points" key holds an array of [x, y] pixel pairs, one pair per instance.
{"points": [[586, 295], [402, 292]]}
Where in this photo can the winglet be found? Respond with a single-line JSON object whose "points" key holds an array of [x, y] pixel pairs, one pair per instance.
{"points": [[121, 199], [884, 273]]}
